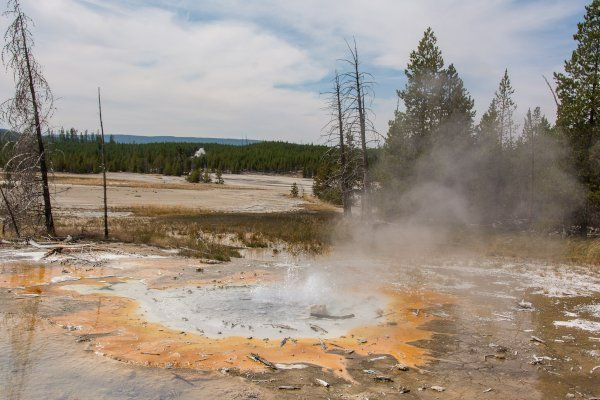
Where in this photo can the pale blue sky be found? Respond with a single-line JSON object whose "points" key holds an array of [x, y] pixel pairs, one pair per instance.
{"points": [[242, 68]]}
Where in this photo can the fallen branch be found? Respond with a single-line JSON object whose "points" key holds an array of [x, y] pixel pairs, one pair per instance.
{"points": [[35, 244], [317, 328], [257, 358], [181, 378], [288, 387], [322, 382]]}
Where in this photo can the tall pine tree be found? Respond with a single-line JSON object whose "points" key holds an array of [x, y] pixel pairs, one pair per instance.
{"points": [[437, 117], [578, 91]]}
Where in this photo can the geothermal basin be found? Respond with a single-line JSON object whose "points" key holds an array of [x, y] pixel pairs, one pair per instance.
{"points": [[140, 322]]}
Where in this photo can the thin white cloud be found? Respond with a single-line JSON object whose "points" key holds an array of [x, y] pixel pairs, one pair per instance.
{"points": [[224, 68]]}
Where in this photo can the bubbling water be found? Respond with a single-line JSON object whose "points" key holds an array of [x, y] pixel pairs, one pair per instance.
{"points": [[269, 310]]}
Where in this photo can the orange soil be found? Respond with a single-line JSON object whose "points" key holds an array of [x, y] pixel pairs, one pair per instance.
{"points": [[132, 339]]}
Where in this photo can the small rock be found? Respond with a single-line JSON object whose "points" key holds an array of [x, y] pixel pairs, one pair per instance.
{"points": [[438, 388], [525, 305], [400, 367]]}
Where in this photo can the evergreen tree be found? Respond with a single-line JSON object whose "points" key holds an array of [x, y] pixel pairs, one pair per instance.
{"points": [[194, 176], [422, 94], [438, 108], [438, 117], [505, 108], [456, 107], [294, 190], [534, 126], [490, 177], [578, 90], [219, 177], [206, 177], [497, 187]]}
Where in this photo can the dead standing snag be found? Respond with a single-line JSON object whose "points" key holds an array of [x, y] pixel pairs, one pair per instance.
{"points": [[26, 113]]}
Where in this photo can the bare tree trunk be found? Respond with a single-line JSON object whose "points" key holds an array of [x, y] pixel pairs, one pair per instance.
{"points": [[532, 182], [345, 170], [360, 101], [9, 209], [103, 168], [38, 131]]}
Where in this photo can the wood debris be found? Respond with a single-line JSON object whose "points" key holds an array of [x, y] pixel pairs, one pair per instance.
{"points": [[317, 328], [257, 358], [371, 371], [280, 326], [323, 345], [537, 339], [181, 378], [329, 316], [322, 382]]}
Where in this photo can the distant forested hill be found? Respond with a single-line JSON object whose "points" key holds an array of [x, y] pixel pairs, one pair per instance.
{"points": [[178, 139], [80, 153]]}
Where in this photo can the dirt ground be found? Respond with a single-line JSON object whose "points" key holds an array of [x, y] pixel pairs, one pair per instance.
{"points": [[249, 193]]}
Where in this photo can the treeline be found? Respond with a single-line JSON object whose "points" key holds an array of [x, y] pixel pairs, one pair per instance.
{"points": [[78, 152], [440, 166]]}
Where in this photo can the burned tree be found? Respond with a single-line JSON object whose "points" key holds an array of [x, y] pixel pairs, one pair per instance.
{"points": [[360, 87], [337, 133], [102, 155], [26, 172]]}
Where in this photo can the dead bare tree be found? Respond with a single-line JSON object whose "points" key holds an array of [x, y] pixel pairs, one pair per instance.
{"points": [[27, 114], [361, 87], [103, 168], [337, 134], [10, 212]]}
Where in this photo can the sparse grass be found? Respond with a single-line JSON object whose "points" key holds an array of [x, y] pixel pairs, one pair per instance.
{"points": [[304, 231], [539, 246], [156, 211], [204, 234], [197, 233]]}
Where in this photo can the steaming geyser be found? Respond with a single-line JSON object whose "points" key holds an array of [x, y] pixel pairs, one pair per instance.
{"points": [[302, 305]]}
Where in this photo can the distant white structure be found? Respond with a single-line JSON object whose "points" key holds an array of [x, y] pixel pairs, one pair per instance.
{"points": [[200, 152]]}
